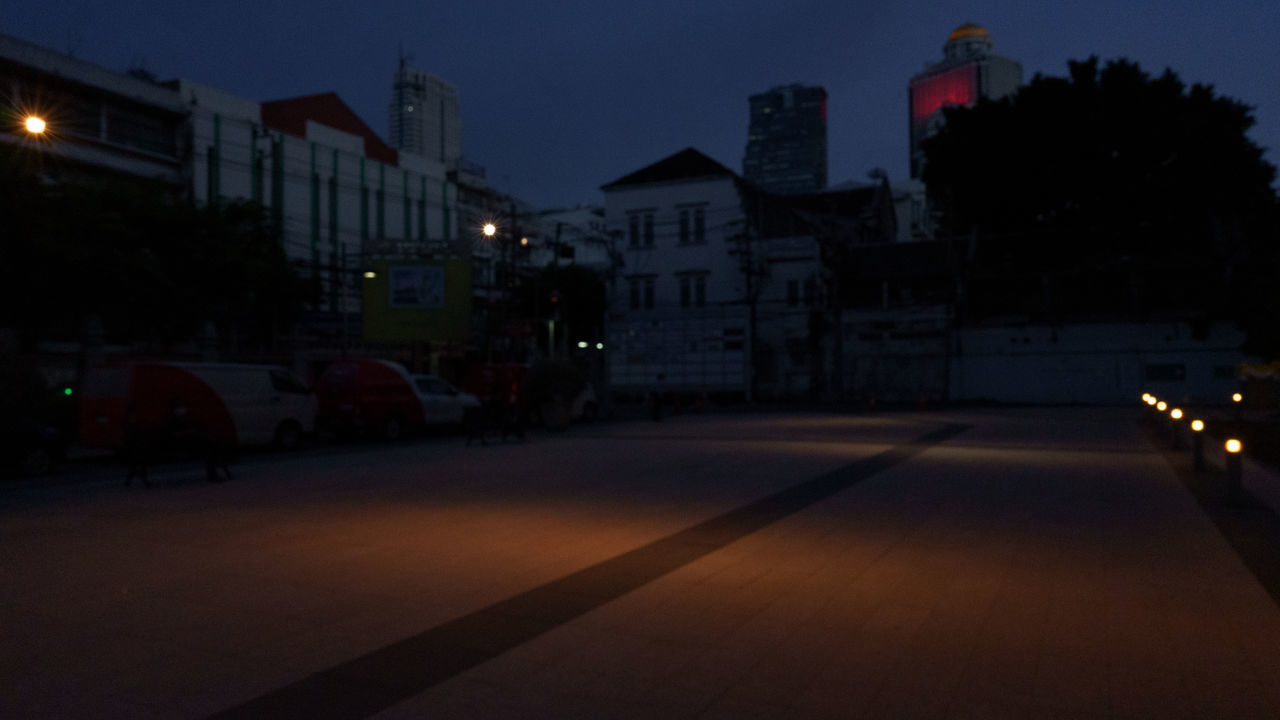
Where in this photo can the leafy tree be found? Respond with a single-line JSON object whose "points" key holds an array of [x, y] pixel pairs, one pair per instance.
{"points": [[151, 266], [575, 293], [1110, 192]]}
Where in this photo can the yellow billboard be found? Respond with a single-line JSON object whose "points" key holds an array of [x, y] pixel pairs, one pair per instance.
{"points": [[412, 301]]}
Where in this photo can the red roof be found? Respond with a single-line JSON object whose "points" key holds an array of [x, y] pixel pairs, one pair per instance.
{"points": [[291, 116]]}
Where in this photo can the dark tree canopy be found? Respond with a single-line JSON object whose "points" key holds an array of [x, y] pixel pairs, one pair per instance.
{"points": [[1109, 192], [151, 266]]}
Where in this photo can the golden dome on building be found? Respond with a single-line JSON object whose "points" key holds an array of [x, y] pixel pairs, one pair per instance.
{"points": [[969, 30]]}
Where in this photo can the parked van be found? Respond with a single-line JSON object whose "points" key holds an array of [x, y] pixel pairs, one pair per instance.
{"points": [[362, 396], [236, 405]]}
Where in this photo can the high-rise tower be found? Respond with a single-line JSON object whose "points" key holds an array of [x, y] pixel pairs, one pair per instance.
{"points": [[968, 71], [787, 140], [424, 116]]}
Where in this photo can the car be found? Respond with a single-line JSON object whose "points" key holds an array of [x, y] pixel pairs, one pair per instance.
{"points": [[442, 403]]}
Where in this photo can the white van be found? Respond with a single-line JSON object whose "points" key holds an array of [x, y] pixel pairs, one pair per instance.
{"points": [[240, 405]]}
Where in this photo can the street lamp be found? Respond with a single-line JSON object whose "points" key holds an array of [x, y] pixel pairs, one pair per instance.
{"points": [[35, 124], [489, 229]]}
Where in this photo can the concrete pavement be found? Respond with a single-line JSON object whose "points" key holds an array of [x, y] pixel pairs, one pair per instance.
{"points": [[1005, 563]]}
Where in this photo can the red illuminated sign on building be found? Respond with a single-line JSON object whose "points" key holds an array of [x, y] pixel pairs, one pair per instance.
{"points": [[953, 87]]}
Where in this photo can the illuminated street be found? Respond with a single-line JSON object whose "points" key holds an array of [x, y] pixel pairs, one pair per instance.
{"points": [[970, 564]]}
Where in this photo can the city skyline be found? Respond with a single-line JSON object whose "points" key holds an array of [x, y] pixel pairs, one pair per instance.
{"points": [[554, 104]]}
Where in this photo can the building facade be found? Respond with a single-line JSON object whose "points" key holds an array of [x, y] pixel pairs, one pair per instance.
{"points": [[787, 140], [677, 298], [969, 71], [424, 116]]}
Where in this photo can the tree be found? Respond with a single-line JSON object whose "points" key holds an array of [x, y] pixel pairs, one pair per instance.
{"points": [[150, 265], [1109, 192]]}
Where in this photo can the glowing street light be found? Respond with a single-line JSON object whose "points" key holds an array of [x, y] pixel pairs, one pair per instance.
{"points": [[35, 124], [489, 229], [1236, 397], [1162, 406], [1234, 446], [1151, 400], [369, 274], [1197, 425], [1176, 413]]}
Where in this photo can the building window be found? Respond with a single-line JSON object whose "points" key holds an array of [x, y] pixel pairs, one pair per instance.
{"points": [[635, 293], [648, 293], [633, 231], [699, 226], [793, 293], [693, 290], [648, 229], [684, 227]]}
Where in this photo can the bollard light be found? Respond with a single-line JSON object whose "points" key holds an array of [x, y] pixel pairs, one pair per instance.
{"points": [[1161, 406], [1176, 413], [1234, 446], [1197, 425], [1236, 397]]}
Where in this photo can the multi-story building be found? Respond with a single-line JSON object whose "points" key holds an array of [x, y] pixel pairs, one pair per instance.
{"points": [[969, 71], [787, 140], [424, 116], [339, 196], [677, 300], [97, 120]]}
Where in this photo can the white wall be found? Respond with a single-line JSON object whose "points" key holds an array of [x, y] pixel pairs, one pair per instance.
{"points": [[667, 257], [1092, 364]]}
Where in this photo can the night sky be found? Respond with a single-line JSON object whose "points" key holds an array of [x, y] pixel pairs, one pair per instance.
{"points": [[559, 98]]}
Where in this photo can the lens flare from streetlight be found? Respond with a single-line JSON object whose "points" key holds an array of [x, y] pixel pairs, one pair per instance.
{"points": [[1197, 425], [1234, 446], [1176, 413], [35, 124]]}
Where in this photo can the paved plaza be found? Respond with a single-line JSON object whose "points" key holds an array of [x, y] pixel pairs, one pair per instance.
{"points": [[1022, 563]]}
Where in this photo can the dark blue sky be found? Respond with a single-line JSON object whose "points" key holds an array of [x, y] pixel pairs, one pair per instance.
{"points": [[560, 98]]}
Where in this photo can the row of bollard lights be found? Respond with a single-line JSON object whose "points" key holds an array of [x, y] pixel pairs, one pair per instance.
{"points": [[1234, 448]]}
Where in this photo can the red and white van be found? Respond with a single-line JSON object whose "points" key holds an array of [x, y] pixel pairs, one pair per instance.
{"points": [[370, 396], [237, 405]]}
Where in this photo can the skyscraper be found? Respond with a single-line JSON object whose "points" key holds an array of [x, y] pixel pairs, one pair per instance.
{"points": [[424, 116], [968, 71], [787, 140]]}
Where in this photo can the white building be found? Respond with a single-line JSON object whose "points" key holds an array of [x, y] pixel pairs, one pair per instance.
{"points": [[424, 116], [339, 195], [677, 304]]}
